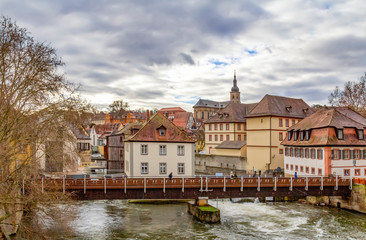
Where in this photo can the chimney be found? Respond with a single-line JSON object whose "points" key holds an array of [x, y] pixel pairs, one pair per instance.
{"points": [[147, 115]]}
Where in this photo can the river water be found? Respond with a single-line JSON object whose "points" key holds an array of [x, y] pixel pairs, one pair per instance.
{"points": [[119, 219]]}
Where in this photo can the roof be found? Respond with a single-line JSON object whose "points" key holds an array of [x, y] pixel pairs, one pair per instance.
{"points": [[231, 145], [233, 112], [127, 129], [210, 103], [172, 109], [338, 117], [271, 105], [80, 132], [181, 119], [149, 132], [99, 116], [101, 128]]}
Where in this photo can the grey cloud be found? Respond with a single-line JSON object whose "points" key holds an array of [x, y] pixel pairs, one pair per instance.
{"points": [[187, 58]]}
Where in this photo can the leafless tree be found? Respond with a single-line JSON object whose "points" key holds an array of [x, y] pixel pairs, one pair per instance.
{"points": [[353, 95], [119, 107], [37, 104]]}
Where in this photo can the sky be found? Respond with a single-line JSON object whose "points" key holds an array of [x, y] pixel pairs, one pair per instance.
{"points": [[156, 54]]}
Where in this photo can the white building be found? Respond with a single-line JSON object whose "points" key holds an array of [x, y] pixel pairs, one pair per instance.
{"points": [[158, 149]]}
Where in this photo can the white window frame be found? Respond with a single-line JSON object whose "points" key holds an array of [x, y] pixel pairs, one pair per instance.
{"points": [[162, 166], [162, 150], [180, 150], [144, 150], [144, 168], [162, 132], [181, 168]]}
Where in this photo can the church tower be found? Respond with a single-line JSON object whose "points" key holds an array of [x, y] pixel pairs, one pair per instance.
{"points": [[235, 94]]}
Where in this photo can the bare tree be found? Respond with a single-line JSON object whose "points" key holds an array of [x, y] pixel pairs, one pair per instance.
{"points": [[353, 95], [37, 105], [119, 107]]}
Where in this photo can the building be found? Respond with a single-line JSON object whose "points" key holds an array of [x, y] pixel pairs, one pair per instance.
{"points": [[331, 141], [204, 108], [267, 123], [179, 117], [159, 148], [116, 149]]}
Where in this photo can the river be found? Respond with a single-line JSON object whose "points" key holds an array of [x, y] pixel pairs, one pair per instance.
{"points": [[119, 219]]}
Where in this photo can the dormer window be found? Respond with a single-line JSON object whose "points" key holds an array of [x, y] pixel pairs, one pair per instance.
{"points": [[305, 110], [288, 108], [161, 131], [289, 135], [340, 134], [360, 134], [296, 134], [302, 136], [307, 135]]}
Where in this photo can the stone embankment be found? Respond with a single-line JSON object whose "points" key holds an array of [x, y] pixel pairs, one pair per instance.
{"points": [[204, 212]]}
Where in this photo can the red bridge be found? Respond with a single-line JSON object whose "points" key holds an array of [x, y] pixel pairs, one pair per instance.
{"points": [[191, 188]]}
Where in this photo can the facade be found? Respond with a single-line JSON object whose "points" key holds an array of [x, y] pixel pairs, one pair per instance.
{"points": [[204, 109], [159, 148], [329, 142], [116, 149], [267, 123]]}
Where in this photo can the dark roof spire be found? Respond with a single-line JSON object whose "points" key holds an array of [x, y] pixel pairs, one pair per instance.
{"points": [[235, 87]]}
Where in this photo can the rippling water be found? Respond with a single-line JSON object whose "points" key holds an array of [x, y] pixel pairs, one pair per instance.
{"points": [[119, 219]]}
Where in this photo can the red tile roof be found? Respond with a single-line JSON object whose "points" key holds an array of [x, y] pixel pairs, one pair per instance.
{"points": [[233, 112], [181, 119], [149, 132], [172, 109], [281, 106]]}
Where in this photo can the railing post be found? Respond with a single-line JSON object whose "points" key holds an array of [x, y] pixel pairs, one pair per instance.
{"points": [[183, 184], [145, 185], [275, 184], [321, 185], [224, 184], [42, 185], [307, 184], [23, 187], [105, 185], [125, 185], [201, 186], [164, 185], [63, 184], [291, 185], [84, 184], [259, 184], [241, 187], [336, 186], [206, 185]]}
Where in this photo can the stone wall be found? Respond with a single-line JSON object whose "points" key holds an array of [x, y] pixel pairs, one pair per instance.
{"points": [[211, 164]]}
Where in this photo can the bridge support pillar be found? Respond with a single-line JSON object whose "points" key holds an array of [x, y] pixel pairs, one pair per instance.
{"points": [[202, 211]]}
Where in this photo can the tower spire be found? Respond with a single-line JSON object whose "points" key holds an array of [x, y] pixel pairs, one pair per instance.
{"points": [[235, 94]]}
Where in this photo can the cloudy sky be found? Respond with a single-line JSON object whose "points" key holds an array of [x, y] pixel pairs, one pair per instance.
{"points": [[172, 53]]}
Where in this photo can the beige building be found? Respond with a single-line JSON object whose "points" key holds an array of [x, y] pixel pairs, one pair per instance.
{"points": [[158, 149]]}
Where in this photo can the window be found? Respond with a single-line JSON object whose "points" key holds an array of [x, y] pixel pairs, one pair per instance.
{"points": [[221, 127], [287, 167], [162, 150], [301, 168], [227, 126], [215, 126], [364, 154], [121, 138], [307, 135], [296, 168], [239, 126], [360, 134], [280, 136], [302, 152], [121, 153], [319, 171], [293, 122], [346, 172], [320, 154], [307, 169], [335, 154], [210, 126], [162, 168], [203, 115], [180, 150], [280, 122], [161, 132], [291, 152], [221, 137], [216, 139], [312, 170], [345, 154], [144, 168], [296, 134], [289, 136], [144, 149], [245, 137], [239, 137], [227, 137], [287, 123], [180, 168], [302, 136], [292, 167], [286, 151], [357, 172], [356, 154], [210, 137], [340, 134], [281, 151]]}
